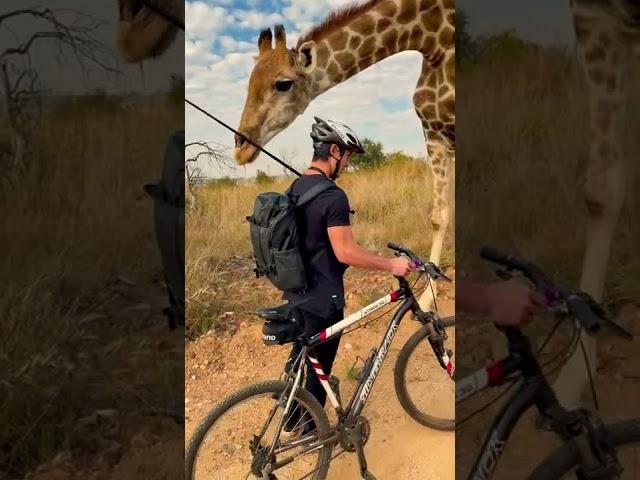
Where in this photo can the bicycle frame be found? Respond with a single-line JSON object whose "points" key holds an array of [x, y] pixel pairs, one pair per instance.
{"points": [[531, 389], [363, 389], [365, 385]]}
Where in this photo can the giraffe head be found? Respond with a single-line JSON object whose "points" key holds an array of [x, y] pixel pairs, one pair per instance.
{"points": [[279, 90], [142, 33]]}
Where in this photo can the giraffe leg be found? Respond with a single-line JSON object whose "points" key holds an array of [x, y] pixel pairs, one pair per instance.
{"points": [[604, 55], [434, 101]]}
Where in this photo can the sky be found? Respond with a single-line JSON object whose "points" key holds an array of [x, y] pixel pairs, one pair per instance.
{"points": [[150, 76], [221, 41], [543, 21]]}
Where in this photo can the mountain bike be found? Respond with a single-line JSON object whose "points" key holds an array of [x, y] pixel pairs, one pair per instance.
{"points": [[590, 449], [261, 443]]}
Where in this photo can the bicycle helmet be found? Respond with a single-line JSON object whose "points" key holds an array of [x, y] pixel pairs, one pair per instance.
{"points": [[328, 131]]}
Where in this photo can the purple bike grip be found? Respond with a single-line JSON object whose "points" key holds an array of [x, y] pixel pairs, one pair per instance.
{"points": [[551, 297]]}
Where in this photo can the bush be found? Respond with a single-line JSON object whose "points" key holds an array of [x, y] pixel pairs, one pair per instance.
{"points": [[373, 156], [262, 178]]}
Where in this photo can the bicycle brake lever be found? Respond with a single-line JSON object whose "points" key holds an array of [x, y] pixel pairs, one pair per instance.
{"points": [[604, 318]]}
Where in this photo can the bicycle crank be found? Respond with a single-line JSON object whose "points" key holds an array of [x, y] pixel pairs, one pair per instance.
{"points": [[356, 434], [346, 437]]}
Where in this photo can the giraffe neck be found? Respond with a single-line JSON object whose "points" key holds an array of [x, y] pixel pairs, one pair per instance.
{"points": [[385, 29]]}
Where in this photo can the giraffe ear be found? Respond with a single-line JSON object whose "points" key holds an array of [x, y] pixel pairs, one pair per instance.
{"points": [[307, 55]]}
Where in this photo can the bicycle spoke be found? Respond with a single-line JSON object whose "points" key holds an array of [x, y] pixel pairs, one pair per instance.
{"points": [[226, 451]]}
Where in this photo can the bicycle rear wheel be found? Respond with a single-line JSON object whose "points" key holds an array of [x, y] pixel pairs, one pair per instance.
{"points": [[625, 438], [424, 389], [233, 440]]}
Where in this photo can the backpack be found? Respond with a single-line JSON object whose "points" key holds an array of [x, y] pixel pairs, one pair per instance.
{"points": [[168, 201], [275, 239]]}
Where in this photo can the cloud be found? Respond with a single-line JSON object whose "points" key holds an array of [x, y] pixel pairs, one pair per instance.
{"points": [[198, 52], [204, 21], [230, 44], [257, 20], [377, 103]]}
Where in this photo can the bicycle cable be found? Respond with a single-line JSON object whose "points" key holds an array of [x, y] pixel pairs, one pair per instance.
{"points": [[395, 307], [487, 405], [512, 382], [591, 382]]}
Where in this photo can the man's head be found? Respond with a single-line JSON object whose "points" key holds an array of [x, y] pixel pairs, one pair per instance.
{"points": [[334, 142]]}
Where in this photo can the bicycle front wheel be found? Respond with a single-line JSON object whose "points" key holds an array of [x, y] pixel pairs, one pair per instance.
{"points": [[235, 440], [425, 390], [563, 463]]}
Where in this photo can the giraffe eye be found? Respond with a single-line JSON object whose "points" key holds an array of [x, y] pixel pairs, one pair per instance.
{"points": [[283, 85]]}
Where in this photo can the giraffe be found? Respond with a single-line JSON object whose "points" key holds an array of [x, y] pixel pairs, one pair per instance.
{"points": [[284, 81], [143, 34], [606, 33]]}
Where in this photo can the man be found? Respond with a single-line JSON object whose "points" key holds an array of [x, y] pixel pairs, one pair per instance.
{"points": [[509, 304], [327, 238]]}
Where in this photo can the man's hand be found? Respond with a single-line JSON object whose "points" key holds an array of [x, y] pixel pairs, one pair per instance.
{"points": [[401, 266], [349, 252], [511, 303]]}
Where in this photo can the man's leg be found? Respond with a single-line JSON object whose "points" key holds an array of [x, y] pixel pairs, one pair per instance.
{"points": [[325, 353]]}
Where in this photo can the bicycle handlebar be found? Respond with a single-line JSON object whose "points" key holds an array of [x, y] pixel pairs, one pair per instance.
{"points": [[579, 304], [531, 271], [430, 268]]}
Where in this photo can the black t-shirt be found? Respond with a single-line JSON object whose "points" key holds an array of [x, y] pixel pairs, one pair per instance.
{"points": [[325, 274]]}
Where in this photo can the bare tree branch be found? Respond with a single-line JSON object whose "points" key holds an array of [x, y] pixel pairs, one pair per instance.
{"points": [[18, 76], [213, 153], [77, 35]]}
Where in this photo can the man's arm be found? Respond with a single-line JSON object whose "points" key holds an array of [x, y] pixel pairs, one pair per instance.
{"points": [[349, 252], [508, 303]]}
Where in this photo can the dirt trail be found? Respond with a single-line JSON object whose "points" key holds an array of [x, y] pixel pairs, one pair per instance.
{"points": [[398, 448]]}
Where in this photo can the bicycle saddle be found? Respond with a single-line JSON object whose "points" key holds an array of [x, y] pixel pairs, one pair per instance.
{"points": [[280, 313]]}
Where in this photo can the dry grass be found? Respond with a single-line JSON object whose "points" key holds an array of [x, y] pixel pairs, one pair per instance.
{"points": [[392, 203], [522, 142], [69, 226]]}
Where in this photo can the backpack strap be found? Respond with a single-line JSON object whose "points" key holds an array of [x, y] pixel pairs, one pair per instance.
{"points": [[314, 192]]}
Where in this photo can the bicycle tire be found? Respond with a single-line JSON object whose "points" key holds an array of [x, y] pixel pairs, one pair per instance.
{"points": [[566, 457], [401, 387], [273, 386]]}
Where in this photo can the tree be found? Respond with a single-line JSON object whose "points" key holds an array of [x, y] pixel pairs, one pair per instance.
{"points": [[466, 46], [372, 157], [398, 158], [211, 152], [288, 156], [19, 79]]}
